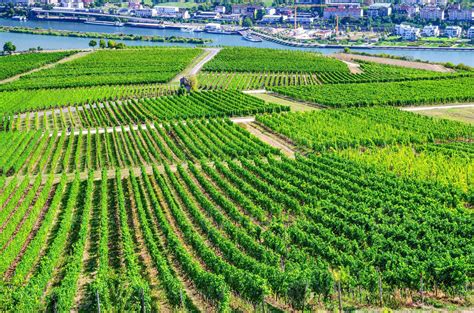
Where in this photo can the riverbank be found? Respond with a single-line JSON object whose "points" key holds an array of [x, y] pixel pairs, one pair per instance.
{"points": [[358, 47], [110, 36]]}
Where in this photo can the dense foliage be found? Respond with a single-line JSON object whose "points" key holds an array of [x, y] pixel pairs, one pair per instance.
{"points": [[195, 105], [11, 65], [29, 100], [91, 149], [338, 129], [111, 67], [395, 93], [450, 164], [239, 59]]}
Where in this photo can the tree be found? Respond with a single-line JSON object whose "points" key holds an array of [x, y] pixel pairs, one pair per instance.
{"points": [[92, 43], [102, 44], [120, 45], [111, 44], [247, 22], [9, 47]]}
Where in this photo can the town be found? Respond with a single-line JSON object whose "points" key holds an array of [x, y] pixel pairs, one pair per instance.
{"points": [[412, 23]]}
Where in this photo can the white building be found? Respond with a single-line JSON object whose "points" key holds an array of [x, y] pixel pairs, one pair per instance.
{"points": [[274, 19], [432, 13], [145, 12], [407, 32], [163, 10], [430, 31], [220, 9], [453, 31], [470, 32], [270, 11]]}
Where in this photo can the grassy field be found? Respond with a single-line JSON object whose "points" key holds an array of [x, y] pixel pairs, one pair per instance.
{"points": [[457, 114]]}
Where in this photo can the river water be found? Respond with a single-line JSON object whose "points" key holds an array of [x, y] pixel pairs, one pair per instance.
{"points": [[25, 41]]}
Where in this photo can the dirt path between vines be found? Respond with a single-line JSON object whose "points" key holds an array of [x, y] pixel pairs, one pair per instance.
{"points": [[285, 147], [46, 66], [207, 55], [411, 64], [439, 107]]}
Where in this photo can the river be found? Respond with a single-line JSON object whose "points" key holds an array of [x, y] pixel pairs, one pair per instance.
{"points": [[25, 41]]}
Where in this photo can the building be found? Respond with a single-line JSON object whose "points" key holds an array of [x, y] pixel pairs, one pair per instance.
{"points": [[302, 18], [19, 2], [134, 4], [206, 15], [246, 9], [459, 14], [442, 3], [230, 18], [470, 33], [220, 9], [408, 10], [453, 31], [343, 2], [145, 12], [74, 4], [407, 32], [430, 31], [379, 10], [270, 11], [432, 13], [163, 10], [274, 19], [354, 12]]}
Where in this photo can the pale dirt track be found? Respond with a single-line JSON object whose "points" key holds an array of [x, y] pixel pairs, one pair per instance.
{"points": [[439, 107], [411, 64], [207, 55]]}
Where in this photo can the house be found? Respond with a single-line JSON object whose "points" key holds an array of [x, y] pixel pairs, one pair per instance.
{"points": [[432, 13], [456, 13], [453, 31], [246, 9], [379, 10], [430, 31], [351, 11], [470, 33]]}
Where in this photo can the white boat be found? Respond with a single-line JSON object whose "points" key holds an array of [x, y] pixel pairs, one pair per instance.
{"points": [[252, 38], [105, 23], [19, 18]]}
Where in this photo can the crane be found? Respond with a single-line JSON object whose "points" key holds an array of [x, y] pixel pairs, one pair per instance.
{"points": [[314, 6]]}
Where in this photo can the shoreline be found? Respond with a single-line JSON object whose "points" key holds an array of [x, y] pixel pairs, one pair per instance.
{"points": [[355, 47]]}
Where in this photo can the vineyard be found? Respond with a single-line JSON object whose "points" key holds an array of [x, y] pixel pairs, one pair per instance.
{"points": [[93, 149], [238, 59], [394, 93], [450, 164], [121, 192], [11, 65], [199, 104], [127, 66], [338, 129], [41, 99]]}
